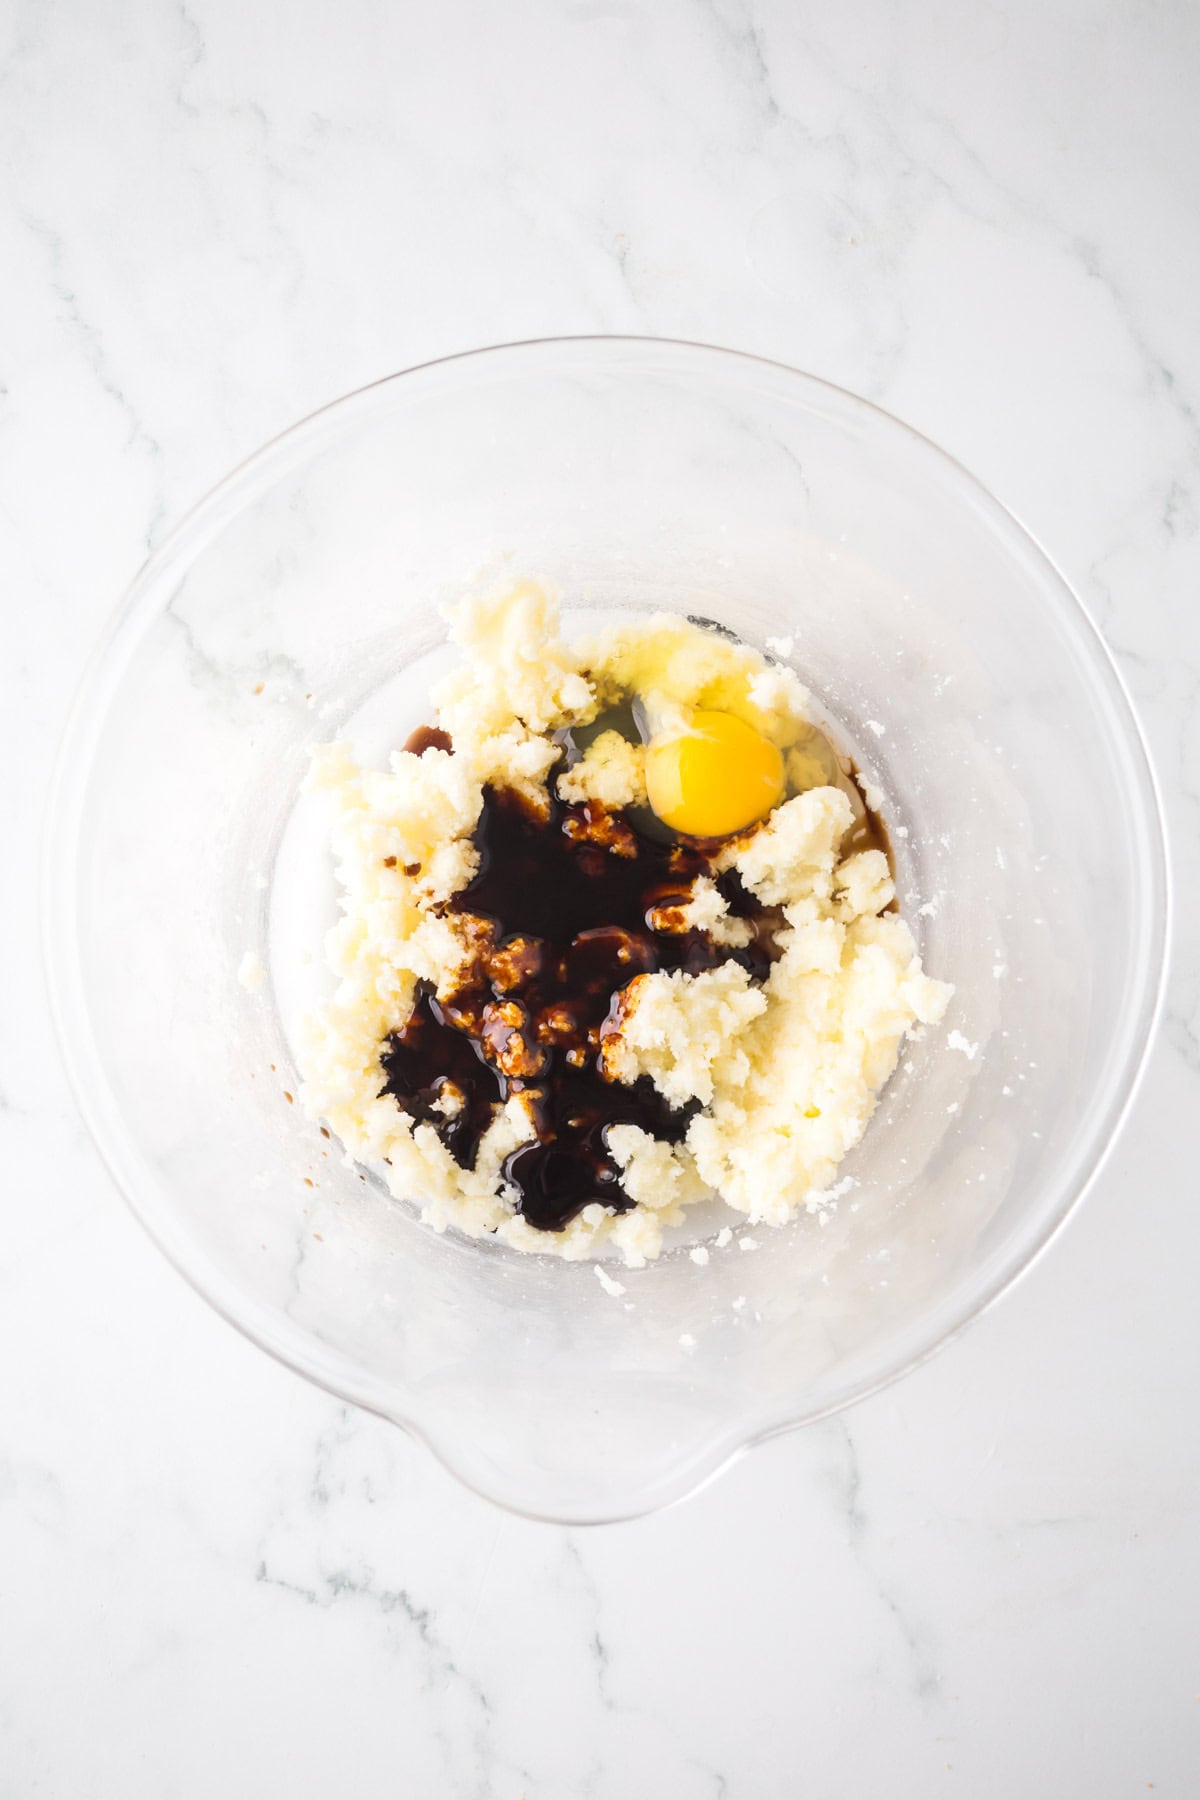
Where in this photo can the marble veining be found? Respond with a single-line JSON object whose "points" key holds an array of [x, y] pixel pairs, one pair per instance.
{"points": [[982, 1582]]}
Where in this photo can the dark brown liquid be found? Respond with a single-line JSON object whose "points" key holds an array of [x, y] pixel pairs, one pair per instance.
{"points": [[428, 737], [426, 1059], [867, 833], [569, 1166], [570, 907], [566, 899]]}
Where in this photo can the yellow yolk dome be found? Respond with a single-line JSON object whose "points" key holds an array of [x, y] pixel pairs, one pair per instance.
{"points": [[714, 777]]}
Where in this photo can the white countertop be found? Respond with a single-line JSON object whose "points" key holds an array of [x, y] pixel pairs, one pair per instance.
{"points": [[215, 1580]]}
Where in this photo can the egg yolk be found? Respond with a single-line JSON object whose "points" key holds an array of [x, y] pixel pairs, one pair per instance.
{"points": [[714, 778]]}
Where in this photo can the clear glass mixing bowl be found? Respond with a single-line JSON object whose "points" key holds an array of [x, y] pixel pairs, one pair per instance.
{"points": [[299, 602]]}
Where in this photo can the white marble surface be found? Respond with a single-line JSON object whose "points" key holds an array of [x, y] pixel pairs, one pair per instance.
{"points": [[214, 1580]]}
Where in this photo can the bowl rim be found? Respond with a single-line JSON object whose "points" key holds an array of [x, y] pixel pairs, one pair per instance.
{"points": [[59, 915]]}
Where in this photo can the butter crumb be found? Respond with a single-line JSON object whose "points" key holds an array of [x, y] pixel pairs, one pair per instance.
{"points": [[684, 1031], [611, 771], [708, 911], [873, 795], [864, 884], [795, 850]]}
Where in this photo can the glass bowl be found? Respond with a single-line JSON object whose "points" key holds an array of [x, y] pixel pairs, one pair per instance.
{"points": [[299, 602]]}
